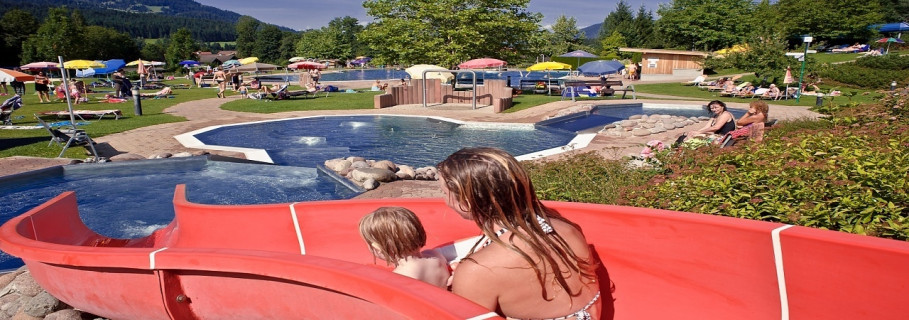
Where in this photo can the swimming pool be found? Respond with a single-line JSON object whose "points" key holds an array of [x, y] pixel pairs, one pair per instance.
{"points": [[131, 199], [605, 114], [412, 140]]}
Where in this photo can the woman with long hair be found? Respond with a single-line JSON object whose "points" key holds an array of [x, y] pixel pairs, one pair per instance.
{"points": [[531, 262]]}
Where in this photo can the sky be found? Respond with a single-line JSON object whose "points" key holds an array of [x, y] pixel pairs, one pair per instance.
{"points": [[302, 15]]}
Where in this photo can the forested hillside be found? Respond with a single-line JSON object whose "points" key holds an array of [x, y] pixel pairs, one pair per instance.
{"points": [[142, 18]]}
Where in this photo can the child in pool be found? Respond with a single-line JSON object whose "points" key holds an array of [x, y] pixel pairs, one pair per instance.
{"points": [[395, 234]]}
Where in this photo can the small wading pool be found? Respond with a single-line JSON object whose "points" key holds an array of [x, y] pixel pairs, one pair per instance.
{"points": [[601, 115], [411, 140]]}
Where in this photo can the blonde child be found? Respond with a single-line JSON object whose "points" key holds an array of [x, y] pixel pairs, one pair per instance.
{"points": [[395, 234], [243, 91]]}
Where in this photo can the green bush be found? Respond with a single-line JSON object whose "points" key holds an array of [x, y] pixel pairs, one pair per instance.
{"points": [[849, 178], [885, 62], [852, 74], [846, 172], [585, 177], [869, 72]]}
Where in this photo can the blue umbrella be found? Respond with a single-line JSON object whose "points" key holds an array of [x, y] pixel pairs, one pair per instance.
{"points": [[579, 54], [601, 67], [188, 63]]}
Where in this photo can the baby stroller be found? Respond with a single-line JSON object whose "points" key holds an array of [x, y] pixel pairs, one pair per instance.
{"points": [[7, 108]]}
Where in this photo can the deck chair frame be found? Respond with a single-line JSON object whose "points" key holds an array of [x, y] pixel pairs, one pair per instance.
{"points": [[76, 137]]}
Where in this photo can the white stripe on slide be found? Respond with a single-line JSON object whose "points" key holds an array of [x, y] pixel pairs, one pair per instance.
{"points": [[151, 258], [484, 316], [780, 276], [293, 215]]}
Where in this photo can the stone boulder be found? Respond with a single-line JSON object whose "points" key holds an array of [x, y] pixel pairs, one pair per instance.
{"points": [[337, 165], [41, 305], [126, 157], [359, 164], [381, 175], [406, 172], [370, 184], [385, 164]]}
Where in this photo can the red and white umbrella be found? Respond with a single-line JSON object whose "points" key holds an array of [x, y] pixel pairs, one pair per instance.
{"points": [[481, 63], [40, 65], [788, 78], [306, 65], [7, 75]]}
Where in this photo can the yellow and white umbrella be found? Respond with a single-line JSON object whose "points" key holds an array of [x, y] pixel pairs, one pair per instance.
{"points": [[416, 72], [82, 64], [295, 59], [549, 65]]}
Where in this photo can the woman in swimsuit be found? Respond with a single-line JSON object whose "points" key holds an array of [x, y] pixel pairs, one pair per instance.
{"points": [[720, 124], [219, 77], [41, 82], [531, 262]]}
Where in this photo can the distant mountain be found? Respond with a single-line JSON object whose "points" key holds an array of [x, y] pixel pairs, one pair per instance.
{"points": [[144, 18], [592, 32]]}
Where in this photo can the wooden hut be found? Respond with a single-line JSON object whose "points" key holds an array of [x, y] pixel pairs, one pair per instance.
{"points": [[669, 62]]}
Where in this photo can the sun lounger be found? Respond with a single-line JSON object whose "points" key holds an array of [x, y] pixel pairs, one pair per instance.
{"points": [[81, 113], [68, 138], [697, 81]]}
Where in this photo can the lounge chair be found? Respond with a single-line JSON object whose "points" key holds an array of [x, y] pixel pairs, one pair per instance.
{"points": [[67, 138], [735, 91], [697, 81], [7, 108]]}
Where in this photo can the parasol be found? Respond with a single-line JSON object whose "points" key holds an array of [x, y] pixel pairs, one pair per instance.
{"points": [[7, 75], [416, 72], [481, 63]]}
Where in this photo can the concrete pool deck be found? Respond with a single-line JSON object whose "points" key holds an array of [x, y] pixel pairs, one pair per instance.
{"points": [[158, 139]]}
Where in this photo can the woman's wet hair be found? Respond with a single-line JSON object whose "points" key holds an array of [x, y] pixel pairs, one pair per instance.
{"points": [[761, 106], [495, 190]]}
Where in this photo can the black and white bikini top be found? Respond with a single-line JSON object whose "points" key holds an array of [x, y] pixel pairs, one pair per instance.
{"points": [[578, 315], [543, 225]]}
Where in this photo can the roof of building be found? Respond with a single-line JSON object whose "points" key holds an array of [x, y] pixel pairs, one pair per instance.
{"points": [[664, 51]]}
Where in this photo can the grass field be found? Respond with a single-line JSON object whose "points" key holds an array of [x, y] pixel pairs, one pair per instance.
{"points": [[33, 142]]}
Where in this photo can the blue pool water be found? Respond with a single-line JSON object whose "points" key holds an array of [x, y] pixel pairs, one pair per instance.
{"points": [[606, 114], [414, 141], [132, 199]]}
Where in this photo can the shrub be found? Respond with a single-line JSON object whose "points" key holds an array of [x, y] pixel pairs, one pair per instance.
{"points": [[848, 178], [585, 177], [869, 72]]}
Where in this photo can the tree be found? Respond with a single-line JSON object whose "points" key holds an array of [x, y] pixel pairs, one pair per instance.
{"points": [[180, 47], [446, 32], [105, 43], [620, 20], [268, 44], [611, 45], [247, 30], [15, 26], [154, 51], [59, 35], [346, 30], [705, 24], [565, 37], [832, 20], [642, 30], [289, 45], [317, 43]]}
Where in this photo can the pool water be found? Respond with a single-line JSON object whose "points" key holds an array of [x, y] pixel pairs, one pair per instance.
{"points": [[413, 141], [606, 114], [132, 199]]}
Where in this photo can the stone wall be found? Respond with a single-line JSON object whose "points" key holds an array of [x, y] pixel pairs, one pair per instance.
{"points": [[494, 92], [644, 125]]}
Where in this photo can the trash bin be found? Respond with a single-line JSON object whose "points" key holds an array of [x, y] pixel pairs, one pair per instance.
{"points": [[819, 100]]}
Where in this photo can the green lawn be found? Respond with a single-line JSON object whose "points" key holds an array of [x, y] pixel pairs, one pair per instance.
{"points": [[827, 57], [362, 99], [675, 89], [34, 142]]}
